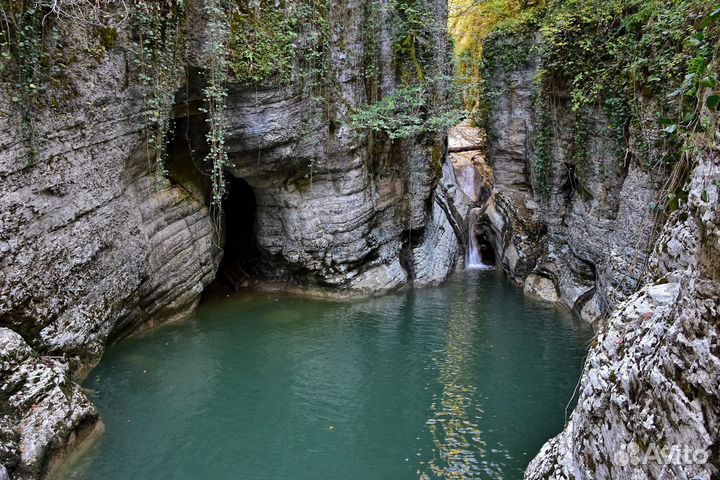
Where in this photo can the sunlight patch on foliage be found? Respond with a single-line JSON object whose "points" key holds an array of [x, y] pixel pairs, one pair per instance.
{"points": [[471, 22]]}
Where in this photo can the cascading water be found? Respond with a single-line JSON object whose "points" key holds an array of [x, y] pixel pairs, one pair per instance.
{"points": [[473, 252], [473, 258]]}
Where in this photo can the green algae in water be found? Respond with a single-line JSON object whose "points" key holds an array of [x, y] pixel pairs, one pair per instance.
{"points": [[463, 381]]}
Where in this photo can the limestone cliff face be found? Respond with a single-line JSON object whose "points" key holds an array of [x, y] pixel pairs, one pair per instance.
{"points": [[333, 213], [594, 244], [651, 378], [586, 242], [92, 248], [85, 232]]}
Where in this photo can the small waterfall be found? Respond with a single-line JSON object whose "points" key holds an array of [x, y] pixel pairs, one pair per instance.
{"points": [[473, 252], [473, 259]]}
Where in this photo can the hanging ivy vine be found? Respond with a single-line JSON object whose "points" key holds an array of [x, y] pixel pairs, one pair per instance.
{"points": [[160, 28], [215, 94], [34, 57], [618, 57], [543, 157], [264, 43], [24, 62], [158, 58]]}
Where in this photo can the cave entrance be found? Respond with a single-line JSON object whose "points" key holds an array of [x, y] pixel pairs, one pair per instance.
{"points": [[487, 252], [241, 256]]}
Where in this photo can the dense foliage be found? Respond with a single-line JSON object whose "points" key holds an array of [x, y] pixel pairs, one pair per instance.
{"points": [[623, 55], [406, 113], [420, 104], [474, 24], [622, 50], [262, 45], [650, 66], [275, 42]]}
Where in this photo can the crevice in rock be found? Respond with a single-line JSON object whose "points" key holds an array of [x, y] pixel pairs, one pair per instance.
{"points": [[410, 239], [242, 260], [485, 239]]}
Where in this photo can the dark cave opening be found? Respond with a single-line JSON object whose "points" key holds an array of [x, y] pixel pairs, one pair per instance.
{"points": [[241, 257], [187, 150], [480, 249], [486, 250]]}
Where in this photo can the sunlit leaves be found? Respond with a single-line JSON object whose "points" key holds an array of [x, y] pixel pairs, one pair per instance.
{"points": [[405, 113]]}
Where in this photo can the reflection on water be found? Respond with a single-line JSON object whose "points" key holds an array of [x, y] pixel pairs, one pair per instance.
{"points": [[459, 445], [460, 382]]}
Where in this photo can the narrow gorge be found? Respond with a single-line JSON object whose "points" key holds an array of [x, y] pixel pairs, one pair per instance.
{"points": [[361, 239]]}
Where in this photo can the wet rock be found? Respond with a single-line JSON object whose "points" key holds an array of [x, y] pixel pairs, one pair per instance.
{"points": [[542, 288], [519, 235], [435, 254]]}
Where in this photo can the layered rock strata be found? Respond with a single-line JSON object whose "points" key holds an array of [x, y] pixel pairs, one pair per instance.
{"points": [[93, 247]]}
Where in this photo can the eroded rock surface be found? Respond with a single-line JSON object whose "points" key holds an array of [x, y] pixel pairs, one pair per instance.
{"points": [[652, 378], [594, 242], [591, 234], [44, 411], [93, 247], [90, 249], [335, 214]]}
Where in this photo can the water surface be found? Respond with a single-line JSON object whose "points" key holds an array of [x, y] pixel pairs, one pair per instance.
{"points": [[463, 381]]}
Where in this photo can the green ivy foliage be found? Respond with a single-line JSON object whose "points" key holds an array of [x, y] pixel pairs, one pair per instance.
{"points": [[637, 45], [158, 52], [619, 56], [261, 43], [24, 61], [420, 105], [264, 43], [490, 35], [22, 55], [413, 25], [405, 113], [628, 48], [613, 54], [215, 94], [543, 155]]}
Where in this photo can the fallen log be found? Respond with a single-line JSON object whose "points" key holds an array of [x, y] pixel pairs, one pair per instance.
{"points": [[469, 148]]}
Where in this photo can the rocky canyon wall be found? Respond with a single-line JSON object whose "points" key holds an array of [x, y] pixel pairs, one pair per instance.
{"points": [[91, 248], [582, 235], [590, 236], [649, 389], [94, 245]]}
